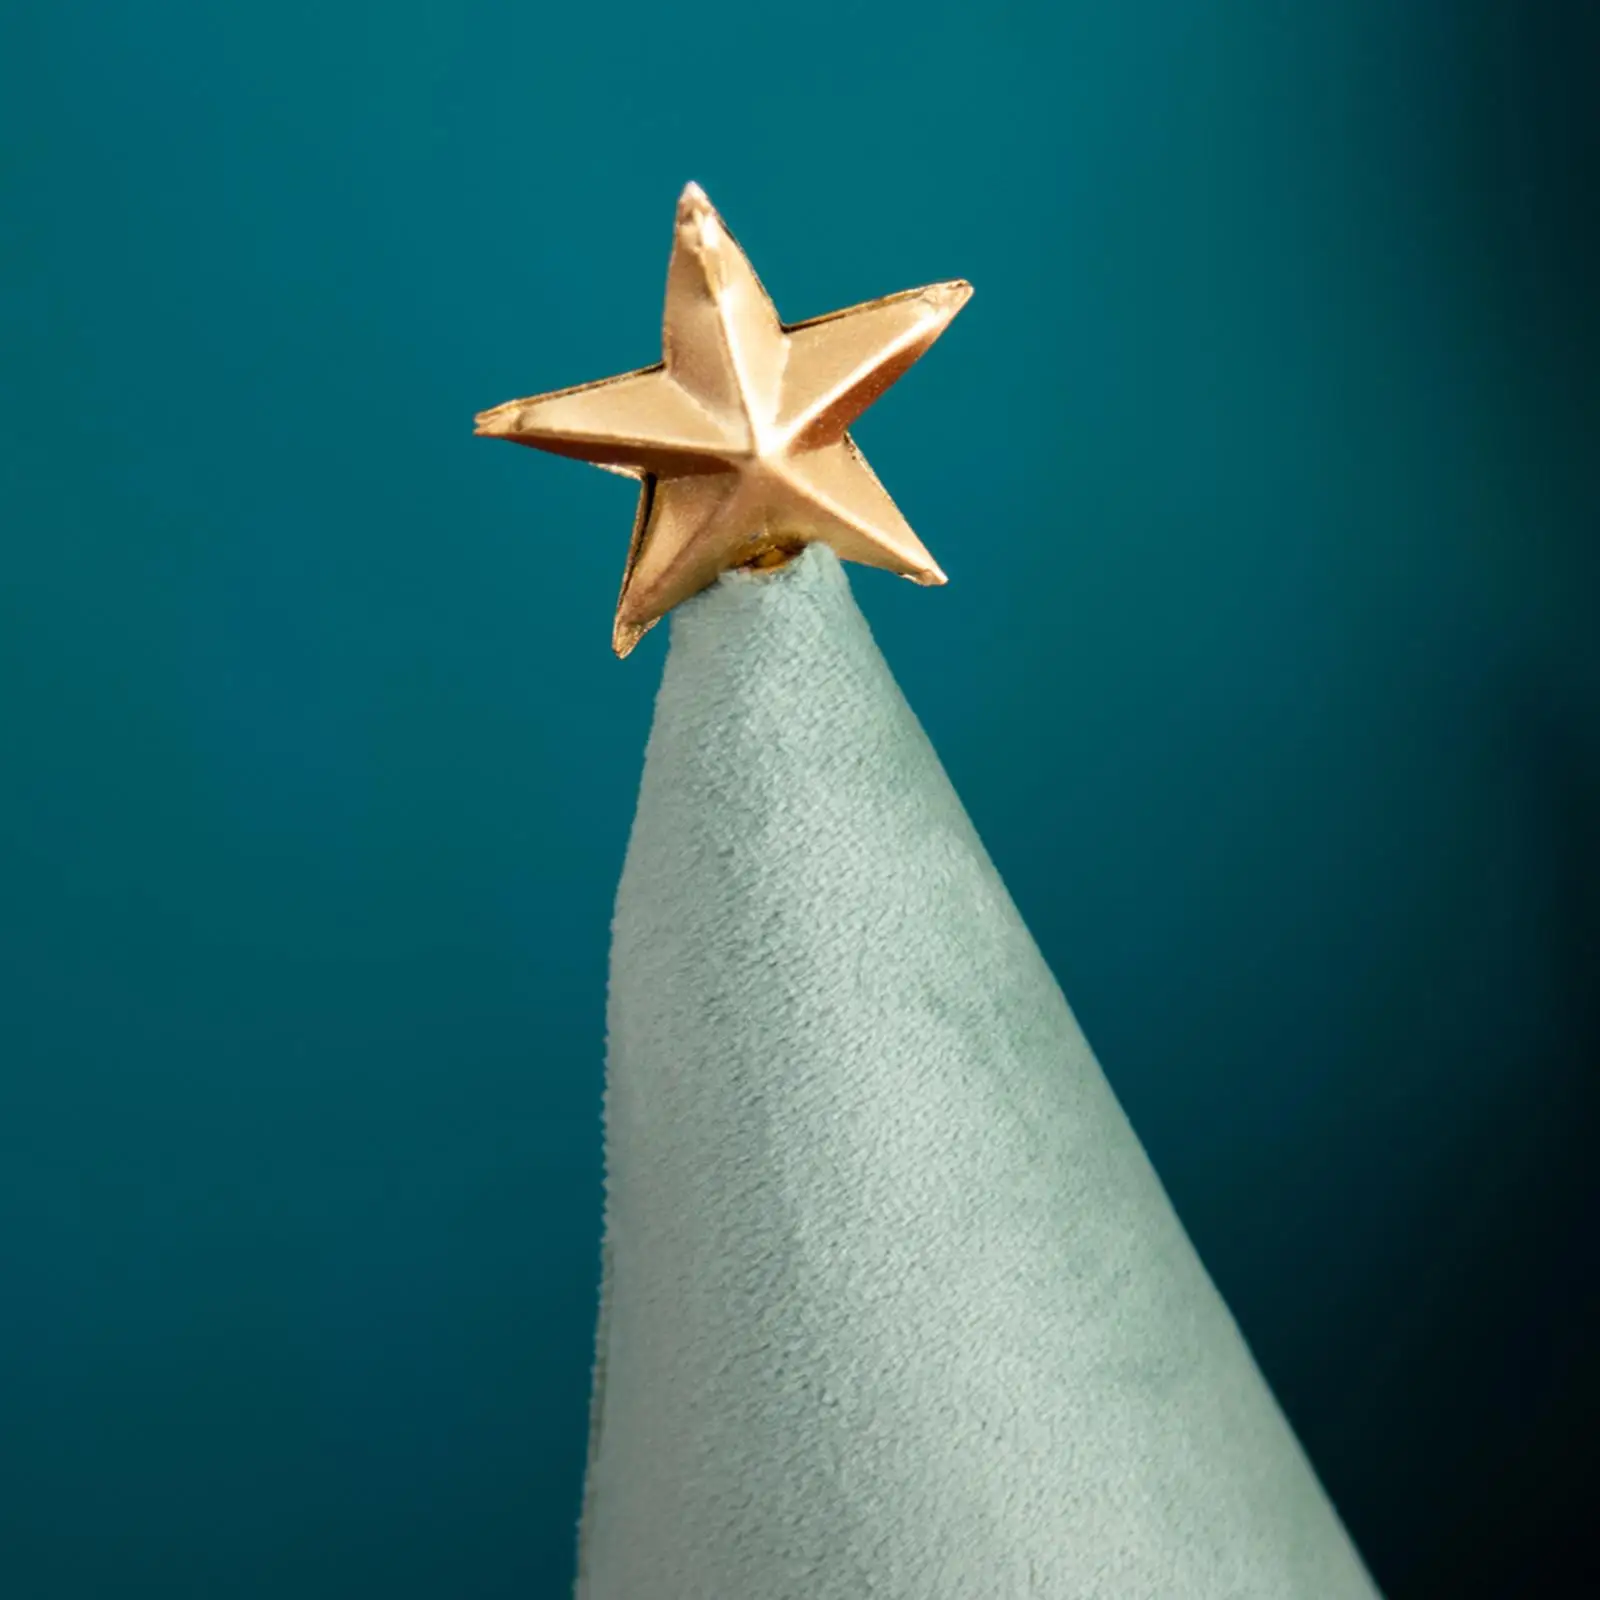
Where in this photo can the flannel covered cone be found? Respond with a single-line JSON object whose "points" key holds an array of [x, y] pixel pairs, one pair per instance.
{"points": [[893, 1304]]}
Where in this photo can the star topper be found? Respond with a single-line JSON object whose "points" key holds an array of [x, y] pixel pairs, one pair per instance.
{"points": [[739, 435]]}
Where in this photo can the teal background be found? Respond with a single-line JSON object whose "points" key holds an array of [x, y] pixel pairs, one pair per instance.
{"points": [[1263, 465]]}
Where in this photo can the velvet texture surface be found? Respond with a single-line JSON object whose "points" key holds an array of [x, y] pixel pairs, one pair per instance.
{"points": [[893, 1302]]}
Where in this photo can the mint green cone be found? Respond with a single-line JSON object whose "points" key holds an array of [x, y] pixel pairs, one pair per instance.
{"points": [[894, 1305]]}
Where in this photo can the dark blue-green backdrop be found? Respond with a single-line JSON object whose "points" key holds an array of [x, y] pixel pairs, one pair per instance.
{"points": [[1263, 465]]}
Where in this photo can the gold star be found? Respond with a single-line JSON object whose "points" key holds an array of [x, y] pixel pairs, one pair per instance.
{"points": [[739, 434]]}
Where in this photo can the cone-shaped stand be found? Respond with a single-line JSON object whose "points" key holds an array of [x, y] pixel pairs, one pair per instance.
{"points": [[894, 1305]]}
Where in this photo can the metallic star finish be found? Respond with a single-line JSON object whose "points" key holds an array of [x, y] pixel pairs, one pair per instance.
{"points": [[739, 435]]}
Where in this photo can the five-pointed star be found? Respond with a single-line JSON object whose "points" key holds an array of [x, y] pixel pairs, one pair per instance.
{"points": [[739, 433]]}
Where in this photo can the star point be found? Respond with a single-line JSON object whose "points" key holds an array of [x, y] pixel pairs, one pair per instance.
{"points": [[739, 435]]}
